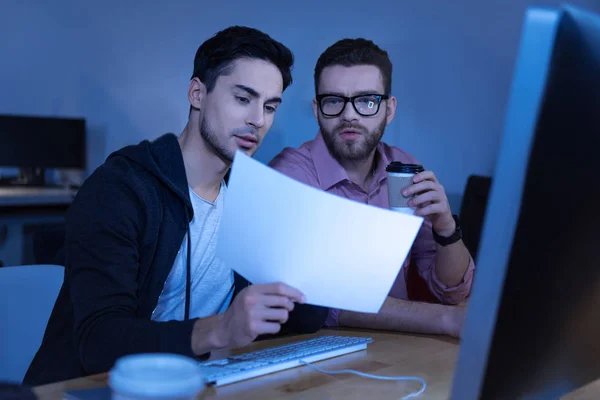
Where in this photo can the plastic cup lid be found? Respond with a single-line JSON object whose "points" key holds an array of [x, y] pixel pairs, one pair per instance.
{"points": [[398, 167], [157, 375]]}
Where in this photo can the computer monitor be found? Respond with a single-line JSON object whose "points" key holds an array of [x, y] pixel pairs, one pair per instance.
{"points": [[533, 323], [33, 143]]}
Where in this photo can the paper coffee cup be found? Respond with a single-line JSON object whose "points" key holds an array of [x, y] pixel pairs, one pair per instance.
{"points": [[156, 376], [399, 176]]}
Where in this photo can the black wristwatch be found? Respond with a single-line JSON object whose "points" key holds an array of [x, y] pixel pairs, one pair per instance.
{"points": [[455, 237]]}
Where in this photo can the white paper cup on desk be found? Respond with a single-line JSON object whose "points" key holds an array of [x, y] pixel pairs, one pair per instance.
{"points": [[399, 176], [156, 376]]}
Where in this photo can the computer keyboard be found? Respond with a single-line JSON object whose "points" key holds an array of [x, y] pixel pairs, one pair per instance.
{"points": [[262, 362]]}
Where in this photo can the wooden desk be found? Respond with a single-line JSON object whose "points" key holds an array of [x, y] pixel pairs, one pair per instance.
{"points": [[23, 196], [429, 357]]}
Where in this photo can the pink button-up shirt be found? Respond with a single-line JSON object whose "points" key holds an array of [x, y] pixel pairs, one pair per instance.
{"points": [[313, 165]]}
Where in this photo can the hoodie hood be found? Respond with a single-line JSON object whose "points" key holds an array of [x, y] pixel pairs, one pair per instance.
{"points": [[163, 159]]}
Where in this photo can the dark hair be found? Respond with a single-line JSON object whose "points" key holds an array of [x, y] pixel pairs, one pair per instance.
{"points": [[351, 52], [215, 56]]}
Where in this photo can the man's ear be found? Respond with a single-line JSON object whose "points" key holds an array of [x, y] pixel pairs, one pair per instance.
{"points": [[315, 109], [391, 109], [196, 93]]}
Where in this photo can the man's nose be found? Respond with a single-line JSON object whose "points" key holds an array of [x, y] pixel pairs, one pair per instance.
{"points": [[349, 113], [257, 117]]}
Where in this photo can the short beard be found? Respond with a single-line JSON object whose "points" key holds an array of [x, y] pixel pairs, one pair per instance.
{"points": [[352, 151], [212, 141]]}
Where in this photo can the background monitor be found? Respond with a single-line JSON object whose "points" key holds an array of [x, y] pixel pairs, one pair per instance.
{"points": [[34, 143], [533, 329]]}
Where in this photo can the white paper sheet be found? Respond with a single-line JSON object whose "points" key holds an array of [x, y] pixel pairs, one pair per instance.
{"points": [[338, 252]]}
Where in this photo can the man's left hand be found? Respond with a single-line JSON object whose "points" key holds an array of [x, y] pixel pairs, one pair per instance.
{"points": [[431, 200], [453, 320]]}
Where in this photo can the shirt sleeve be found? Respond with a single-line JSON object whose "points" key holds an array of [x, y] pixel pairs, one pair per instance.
{"points": [[423, 254]]}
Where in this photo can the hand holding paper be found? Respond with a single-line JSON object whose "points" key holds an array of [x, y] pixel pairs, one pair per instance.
{"points": [[339, 253]]}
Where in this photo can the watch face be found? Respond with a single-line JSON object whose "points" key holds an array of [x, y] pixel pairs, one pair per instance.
{"points": [[457, 221]]}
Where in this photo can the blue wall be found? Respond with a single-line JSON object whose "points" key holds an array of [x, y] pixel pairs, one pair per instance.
{"points": [[125, 67]]}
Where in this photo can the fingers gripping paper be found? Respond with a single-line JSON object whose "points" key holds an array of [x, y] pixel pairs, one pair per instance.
{"points": [[338, 252]]}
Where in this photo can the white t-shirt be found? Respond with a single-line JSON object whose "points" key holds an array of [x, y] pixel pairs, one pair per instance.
{"points": [[212, 281]]}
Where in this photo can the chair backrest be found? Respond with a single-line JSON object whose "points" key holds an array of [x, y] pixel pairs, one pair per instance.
{"points": [[472, 212], [27, 296]]}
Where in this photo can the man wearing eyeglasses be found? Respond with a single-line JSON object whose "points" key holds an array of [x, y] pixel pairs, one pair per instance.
{"points": [[353, 105]]}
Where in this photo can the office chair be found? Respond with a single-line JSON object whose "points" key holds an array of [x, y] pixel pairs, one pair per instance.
{"points": [[472, 211], [27, 296]]}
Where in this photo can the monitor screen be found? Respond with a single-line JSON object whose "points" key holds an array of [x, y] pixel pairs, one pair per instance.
{"points": [[42, 142], [532, 327]]}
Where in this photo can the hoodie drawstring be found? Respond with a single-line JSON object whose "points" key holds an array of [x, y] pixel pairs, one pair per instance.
{"points": [[188, 276]]}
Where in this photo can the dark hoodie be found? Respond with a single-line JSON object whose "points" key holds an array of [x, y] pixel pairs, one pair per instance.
{"points": [[123, 232]]}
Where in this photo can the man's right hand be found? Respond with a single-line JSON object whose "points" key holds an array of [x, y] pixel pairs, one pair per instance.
{"points": [[256, 310]]}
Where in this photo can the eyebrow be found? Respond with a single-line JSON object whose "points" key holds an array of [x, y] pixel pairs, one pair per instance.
{"points": [[254, 93]]}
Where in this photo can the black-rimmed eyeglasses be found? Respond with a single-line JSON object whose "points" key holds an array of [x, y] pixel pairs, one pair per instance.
{"points": [[366, 105]]}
